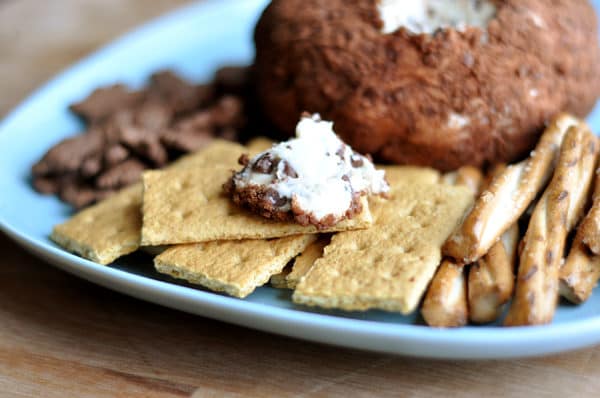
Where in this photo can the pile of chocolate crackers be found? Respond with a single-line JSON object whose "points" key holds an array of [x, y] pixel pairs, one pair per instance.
{"points": [[129, 131]]}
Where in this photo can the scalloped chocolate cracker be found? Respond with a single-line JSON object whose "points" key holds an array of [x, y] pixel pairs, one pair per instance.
{"points": [[389, 265], [233, 267], [111, 228], [189, 206]]}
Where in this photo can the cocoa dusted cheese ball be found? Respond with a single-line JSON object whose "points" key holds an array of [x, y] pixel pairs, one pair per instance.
{"points": [[440, 83]]}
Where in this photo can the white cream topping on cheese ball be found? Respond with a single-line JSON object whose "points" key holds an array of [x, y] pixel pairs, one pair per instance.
{"points": [[426, 16]]}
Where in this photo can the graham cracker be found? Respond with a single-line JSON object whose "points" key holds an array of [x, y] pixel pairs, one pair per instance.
{"points": [[259, 144], [233, 267], [305, 261], [105, 231], [411, 174], [288, 277], [111, 228], [389, 265], [278, 281], [189, 206]]}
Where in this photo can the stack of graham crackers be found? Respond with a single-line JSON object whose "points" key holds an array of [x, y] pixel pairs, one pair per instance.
{"points": [[382, 258]]}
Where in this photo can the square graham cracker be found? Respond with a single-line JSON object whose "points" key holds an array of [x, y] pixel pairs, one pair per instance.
{"points": [[105, 231], [112, 228], [189, 206], [278, 281], [389, 265], [259, 144], [304, 261], [233, 267]]}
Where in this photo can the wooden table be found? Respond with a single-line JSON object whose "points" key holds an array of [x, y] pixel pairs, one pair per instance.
{"points": [[61, 336]]}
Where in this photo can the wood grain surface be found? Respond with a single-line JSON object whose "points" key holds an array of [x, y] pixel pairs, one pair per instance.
{"points": [[63, 337]]}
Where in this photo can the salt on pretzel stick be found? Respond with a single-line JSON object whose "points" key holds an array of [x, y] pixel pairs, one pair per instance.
{"points": [[445, 304], [557, 211], [581, 270], [509, 195]]}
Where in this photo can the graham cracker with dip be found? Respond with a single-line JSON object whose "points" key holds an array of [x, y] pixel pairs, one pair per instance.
{"points": [[233, 267], [293, 272], [389, 265], [189, 206], [111, 228]]}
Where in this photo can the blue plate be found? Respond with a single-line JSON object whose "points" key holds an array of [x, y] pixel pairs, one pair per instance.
{"points": [[195, 41]]}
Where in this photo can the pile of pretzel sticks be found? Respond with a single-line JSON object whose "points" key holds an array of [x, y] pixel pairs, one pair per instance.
{"points": [[550, 193]]}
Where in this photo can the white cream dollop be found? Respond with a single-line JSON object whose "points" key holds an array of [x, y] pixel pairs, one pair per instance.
{"points": [[426, 16], [316, 170]]}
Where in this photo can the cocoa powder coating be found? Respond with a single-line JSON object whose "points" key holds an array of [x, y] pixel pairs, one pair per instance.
{"points": [[444, 100]]}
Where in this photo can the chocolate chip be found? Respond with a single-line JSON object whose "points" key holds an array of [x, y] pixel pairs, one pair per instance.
{"points": [[341, 151], [289, 171], [356, 161], [264, 164]]}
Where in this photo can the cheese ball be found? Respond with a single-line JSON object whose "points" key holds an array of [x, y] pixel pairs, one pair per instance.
{"points": [[441, 83]]}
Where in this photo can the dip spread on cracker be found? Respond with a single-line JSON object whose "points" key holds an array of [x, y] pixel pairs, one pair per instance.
{"points": [[314, 178]]}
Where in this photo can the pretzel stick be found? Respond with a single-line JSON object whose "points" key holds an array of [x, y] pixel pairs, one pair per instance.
{"points": [[554, 215], [509, 195], [580, 274], [491, 280], [445, 304], [590, 227], [581, 271]]}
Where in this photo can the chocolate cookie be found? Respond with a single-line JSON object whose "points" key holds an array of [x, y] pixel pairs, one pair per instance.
{"points": [[440, 83]]}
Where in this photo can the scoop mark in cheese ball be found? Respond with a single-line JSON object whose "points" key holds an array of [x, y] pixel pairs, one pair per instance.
{"points": [[313, 179], [427, 16]]}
